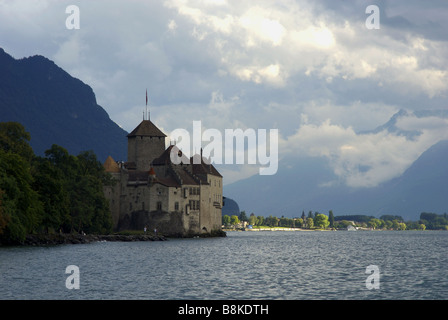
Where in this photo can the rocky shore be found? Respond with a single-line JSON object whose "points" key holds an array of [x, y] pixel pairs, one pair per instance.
{"points": [[55, 239]]}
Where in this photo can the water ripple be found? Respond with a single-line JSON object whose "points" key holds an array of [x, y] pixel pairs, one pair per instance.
{"points": [[244, 265]]}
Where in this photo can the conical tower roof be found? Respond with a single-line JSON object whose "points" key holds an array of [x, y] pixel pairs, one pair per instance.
{"points": [[110, 165], [146, 128]]}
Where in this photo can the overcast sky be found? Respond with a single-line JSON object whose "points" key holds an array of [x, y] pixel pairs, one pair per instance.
{"points": [[311, 69]]}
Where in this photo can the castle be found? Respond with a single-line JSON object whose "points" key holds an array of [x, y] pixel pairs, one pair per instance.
{"points": [[152, 192]]}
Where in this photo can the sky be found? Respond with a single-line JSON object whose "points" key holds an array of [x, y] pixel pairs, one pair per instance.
{"points": [[313, 70]]}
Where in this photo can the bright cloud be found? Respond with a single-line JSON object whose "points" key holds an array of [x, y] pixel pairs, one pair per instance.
{"points": [[308, 68], [368, 159], [275, 36]]}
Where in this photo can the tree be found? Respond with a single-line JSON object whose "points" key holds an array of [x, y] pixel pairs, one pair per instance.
{"points": [[52, 193], [331, 218], [243, 216], [321, 221], [15, 139], [310, 223], [20, 203], [272, 221], [434, 221], [388, 224], [234, 220], [94, 208], [374, 223], [343, 224], [260, 220], [401, 226], [226, 220], [389, 217], [49, 184], [252, 220], [4, 219], [310, 214]]}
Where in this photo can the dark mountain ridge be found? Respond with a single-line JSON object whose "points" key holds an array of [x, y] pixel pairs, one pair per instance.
{"points": [[56, 108]]}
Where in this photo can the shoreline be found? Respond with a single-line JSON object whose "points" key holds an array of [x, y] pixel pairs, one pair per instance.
{"points": [[58, 239], [276, 229]]}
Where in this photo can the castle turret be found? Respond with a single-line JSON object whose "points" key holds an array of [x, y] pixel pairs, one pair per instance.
{"points": [[145, 143]]}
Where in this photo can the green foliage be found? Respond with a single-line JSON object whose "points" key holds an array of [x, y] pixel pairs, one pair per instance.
{"points": [[243, 216], [286, 222], [356, 217], [226, 220], [310, 222], [53, 194], [271, 221], [321, 221], [20, 204], [253, 220], [390, 217], [58, 192], [331, 218], [4, 219], [434, 221], [430, 221], [234, 220], [15, 139]]}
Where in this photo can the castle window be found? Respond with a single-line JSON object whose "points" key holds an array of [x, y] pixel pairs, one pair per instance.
{"points": [[176, 206], [194, 204], [159, 205]]}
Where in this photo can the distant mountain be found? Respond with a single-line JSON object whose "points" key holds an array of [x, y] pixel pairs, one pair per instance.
{"points": [[56, 108], [422, 187], [230, 207], [299, 185]]}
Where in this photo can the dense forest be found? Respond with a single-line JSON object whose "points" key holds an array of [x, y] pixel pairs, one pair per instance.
{"points": [[55, 193]]}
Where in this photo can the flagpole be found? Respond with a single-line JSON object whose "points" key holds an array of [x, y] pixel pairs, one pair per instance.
{"points": [[147, 104]]}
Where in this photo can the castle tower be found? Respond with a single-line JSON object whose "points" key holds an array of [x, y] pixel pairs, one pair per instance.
{"points": [[145, 143]]}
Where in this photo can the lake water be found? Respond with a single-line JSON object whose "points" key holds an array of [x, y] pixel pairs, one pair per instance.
{"points": [[244, 265]]}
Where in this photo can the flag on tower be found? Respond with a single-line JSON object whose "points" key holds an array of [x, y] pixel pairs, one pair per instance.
{"points": [[146, 96]]}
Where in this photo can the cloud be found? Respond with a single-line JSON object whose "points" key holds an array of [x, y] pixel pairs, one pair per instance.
{"points": [[72, 51], [367, 159], [308, 68], [269, 42]]}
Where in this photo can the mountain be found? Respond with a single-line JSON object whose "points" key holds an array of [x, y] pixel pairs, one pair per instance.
{"points": [[423, 187], [300, 185], [56, 108], [230, 207]]}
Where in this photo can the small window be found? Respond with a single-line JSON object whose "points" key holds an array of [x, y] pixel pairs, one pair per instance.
{"points": [[176, 206], [159, 205]]}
